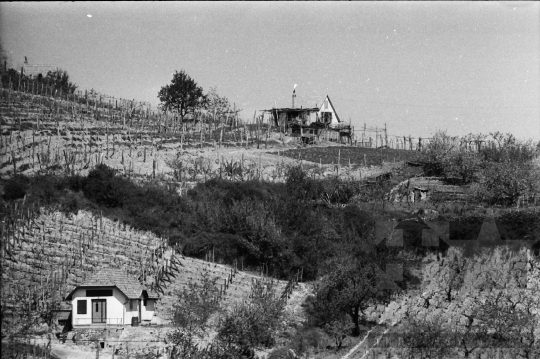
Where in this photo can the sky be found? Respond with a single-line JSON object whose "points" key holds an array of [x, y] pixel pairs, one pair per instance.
{"points": [[418, 67]]}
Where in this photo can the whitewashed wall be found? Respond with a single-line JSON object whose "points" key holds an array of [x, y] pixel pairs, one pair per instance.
{"points": [[115, 308]]}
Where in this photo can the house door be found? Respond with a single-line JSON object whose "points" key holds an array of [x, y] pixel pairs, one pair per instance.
{"points": [[99, 311]]}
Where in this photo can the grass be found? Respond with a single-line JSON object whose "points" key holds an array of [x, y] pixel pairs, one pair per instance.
{"points": [[356, 155]]}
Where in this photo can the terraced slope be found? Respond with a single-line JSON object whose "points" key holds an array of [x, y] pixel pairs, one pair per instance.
{"points": [[44, 257], [235, 285]]}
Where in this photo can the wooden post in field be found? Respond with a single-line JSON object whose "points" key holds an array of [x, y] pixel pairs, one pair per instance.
{"points": [[363, 136], [14, 163], [33, 150], [220, 137], [258, 131], [254, 119], [235, 118], [267, 132], [201, 129]]}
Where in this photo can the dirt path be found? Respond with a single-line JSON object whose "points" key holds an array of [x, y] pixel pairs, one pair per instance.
{"points": [[294, 313], [371, 339], [293, 309]]}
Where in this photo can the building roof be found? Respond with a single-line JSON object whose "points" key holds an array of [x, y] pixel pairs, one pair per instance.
{"points": [[35, 70], [110, 277], [292, 109]]}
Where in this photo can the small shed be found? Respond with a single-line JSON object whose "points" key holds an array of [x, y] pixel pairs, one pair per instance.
{"points": [[111, 297]]}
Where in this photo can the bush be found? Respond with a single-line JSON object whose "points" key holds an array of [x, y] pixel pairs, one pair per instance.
{"points": [[16, 187], [423, 338], [71, 203], [254, 323], [435, 155], [332, 190], [306, 340], [462, 164], [196, 304], [506, 148], [105, 188], [505, 182]]}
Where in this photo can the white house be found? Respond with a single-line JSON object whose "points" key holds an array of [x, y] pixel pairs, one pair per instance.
{"points": [[327, 113], [111, 297]]}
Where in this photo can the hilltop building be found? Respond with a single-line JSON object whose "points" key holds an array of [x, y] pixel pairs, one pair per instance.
{"points": [[111, 297], [37, 69], [311, 124]]}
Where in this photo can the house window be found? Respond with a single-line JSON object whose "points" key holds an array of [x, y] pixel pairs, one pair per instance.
{"points": [[131, 305], [81, 307], [326, 117]]}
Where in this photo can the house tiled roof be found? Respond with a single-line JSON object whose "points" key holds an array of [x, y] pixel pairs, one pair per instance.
{"points": [[152, 294], [110, 277]]}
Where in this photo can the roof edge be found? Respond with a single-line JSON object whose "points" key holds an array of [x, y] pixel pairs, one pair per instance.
{"points": [[68, 297]]}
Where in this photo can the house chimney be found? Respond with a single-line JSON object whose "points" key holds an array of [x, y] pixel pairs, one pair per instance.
{"points": [[293, 95]]}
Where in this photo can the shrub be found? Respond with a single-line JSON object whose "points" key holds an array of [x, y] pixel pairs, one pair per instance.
{"points": [[426, 338], [462, 164], [435, 155], [505, 182], [71, 203], [16, 187], [105, 188], [254, 323], [307, 339], [196, 304], [506, 148]]}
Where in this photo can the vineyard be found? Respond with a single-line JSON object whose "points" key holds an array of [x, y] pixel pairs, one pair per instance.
{"points": [[41, 133], [45, 253]]}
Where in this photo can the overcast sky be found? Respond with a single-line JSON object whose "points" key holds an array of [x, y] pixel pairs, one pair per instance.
{"points": [[416, 66]]}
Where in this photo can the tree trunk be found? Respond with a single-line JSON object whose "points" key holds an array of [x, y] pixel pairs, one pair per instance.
{"points": [[356, 321]]}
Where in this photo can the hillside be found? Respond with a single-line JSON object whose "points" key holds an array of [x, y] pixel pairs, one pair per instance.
{"points": [[88, 184], [46, 255], [43, 133]]}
